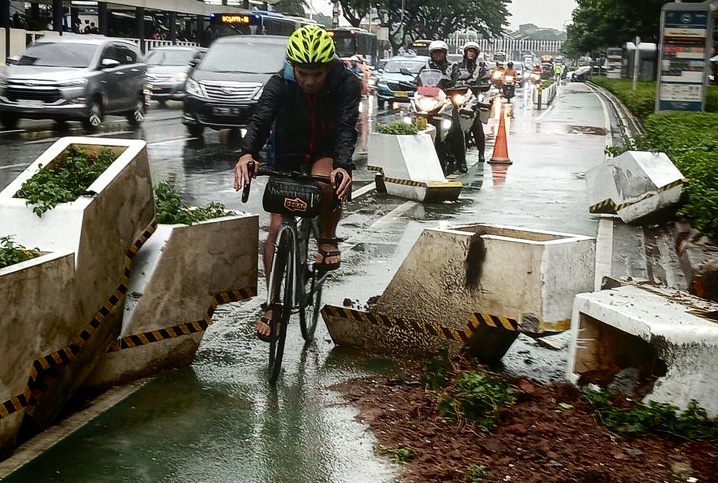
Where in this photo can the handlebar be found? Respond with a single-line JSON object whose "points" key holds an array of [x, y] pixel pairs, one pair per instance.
{"points": [[293, 175]]}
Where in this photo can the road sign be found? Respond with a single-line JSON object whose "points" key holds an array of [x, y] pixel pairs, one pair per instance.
{"points": [[686, 36]]}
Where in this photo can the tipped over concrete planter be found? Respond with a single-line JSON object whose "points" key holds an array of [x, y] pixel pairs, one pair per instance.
{"points": [[527, 283], [102, 229], [179, 276], [409, 167], [38, 316]]}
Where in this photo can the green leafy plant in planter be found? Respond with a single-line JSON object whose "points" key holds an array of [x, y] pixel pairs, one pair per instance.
{"points": [[398, 128], [66, 179], [11, 253], [171, 210]]}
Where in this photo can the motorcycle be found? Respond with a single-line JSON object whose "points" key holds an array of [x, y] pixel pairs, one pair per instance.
{"points": [[508, 88], [484, 93], [449, 108]]}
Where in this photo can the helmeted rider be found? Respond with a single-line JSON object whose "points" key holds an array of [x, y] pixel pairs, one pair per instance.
{"points": [[312, 106], [477, 71], [439, 53]]}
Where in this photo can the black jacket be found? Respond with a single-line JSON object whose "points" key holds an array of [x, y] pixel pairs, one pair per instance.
{"points": [[449, 69], [307, 129]]}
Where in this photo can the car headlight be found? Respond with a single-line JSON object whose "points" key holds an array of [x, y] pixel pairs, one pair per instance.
{"points": [[428, 104], [181, 77], [73, 83], [193, 88]]}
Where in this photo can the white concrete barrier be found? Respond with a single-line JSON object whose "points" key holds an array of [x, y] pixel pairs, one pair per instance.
{"points": [[635, 185], [102, 229], [410, 167], [670, 338], [547, 95], [179, 277], [526, 282], [37, 316]]}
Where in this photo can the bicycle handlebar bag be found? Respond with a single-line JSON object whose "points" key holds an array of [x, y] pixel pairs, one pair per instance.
{"points": [[286, 196]]}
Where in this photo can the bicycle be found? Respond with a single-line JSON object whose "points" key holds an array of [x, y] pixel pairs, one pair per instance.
{"points": [[293, 286]]}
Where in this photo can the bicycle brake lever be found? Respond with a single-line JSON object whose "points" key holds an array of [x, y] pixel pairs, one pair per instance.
{"points": [[245, 190]]}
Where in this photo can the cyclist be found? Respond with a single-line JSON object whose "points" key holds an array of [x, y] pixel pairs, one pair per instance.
{"points": [[312, 107]]}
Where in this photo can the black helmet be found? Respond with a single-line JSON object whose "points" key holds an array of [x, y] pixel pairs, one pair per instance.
{"points": [[510, 65]]}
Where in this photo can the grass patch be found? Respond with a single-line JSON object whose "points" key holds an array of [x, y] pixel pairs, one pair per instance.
{"points": [[400, 456], [664, 419], [12, 253], [476, 474], [171, 210], [398, 128], [66, 179]]}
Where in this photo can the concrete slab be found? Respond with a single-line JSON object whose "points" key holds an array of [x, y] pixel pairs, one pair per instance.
{"points": [[669, 336]]}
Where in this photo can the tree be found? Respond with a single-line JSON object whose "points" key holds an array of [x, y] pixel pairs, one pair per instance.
{"points": [[431, 19], [598, 24]]}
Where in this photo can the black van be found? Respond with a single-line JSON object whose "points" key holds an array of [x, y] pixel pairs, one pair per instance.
{"points": [[224, 87]]}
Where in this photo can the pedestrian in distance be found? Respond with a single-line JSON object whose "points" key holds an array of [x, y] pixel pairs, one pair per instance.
{"points": [[312, 109]]}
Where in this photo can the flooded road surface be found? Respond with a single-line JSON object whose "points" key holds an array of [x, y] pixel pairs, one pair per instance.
{"points": [[219, 420]]}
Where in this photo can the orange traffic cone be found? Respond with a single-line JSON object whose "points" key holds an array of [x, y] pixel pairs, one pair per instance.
{"points": [[498, 173], [501, 150]]}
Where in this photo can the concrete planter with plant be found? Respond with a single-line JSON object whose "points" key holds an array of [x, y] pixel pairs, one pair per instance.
{"points": [[93, 198], [408, 165], [191, 264]]}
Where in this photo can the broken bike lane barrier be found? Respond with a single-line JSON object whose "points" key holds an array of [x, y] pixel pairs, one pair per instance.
{"points": [[102, 230], [634, 185], [408, 167], [474, 287], [649, 343]]}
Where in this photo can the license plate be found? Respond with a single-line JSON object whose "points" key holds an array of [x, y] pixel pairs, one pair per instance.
{"points": [[401, 94], [226, 111], [29, 103]]}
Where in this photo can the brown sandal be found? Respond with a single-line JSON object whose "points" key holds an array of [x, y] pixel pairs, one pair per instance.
{"points": [[322, 265], [263, 337]]}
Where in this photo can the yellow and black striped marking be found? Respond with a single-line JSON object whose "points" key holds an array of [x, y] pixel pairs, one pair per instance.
{"points": [[436, 330], [650, 194], [375, 168], [405, 182], [605, 206], [180, 330], [44, 370]]}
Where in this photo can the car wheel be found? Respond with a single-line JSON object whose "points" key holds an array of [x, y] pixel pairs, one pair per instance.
{"points": [[137, 115], [195, 130], [9, 121], [94, 115]]}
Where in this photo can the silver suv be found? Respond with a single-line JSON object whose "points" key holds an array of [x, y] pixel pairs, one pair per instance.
{"points": [[80, 78]]}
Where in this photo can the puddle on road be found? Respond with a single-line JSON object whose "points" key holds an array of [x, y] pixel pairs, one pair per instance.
{"points": [[554, 128]]}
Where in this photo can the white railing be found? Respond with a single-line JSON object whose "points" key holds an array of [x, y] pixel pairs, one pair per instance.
{"points": [[513, 48]]}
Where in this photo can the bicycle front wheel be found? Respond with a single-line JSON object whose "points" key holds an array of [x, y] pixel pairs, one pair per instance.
{"points": [[281, 303], [308, 321]]}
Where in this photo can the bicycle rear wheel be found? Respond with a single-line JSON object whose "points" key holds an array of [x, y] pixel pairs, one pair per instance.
{"points": [[281, 304]]}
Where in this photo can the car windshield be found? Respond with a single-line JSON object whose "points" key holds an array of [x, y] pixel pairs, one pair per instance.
{"points": [[394, 66], [169, 57], [248, 57], [59, 54]]}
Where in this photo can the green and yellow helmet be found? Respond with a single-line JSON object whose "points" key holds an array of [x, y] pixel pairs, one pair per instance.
{"points": [[311, 46]]}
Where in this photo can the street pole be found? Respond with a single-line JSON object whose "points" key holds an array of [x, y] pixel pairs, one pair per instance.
{"points": [[636, 60], [401, 25], [335, 13]]}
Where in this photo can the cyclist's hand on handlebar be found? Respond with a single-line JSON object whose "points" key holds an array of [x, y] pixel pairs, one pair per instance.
{"points": [[342, 183], [241, 171]]}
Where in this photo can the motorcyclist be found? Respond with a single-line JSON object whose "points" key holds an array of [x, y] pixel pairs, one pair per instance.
{"points": [[439, 53], [497, 74], [510, 71], [477, 71]]}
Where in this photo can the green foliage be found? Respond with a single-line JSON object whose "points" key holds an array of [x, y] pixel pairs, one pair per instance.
{"points": [[475, 397], [400, 455], [431, 19], [546, 83], [171, 210], [66, 179], [436, 373], [476, 474], [692, 424], [398, 127], [12, 253]]}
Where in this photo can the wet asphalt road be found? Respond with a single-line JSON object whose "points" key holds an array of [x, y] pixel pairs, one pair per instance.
{"points": [[219, 420]]}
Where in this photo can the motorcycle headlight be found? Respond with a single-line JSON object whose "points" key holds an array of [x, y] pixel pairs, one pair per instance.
{"points": [[181, 77], [194, 88], [73, 83], [458, 99], [446, 123], [496, 75], [428, 104], [509, 78]]}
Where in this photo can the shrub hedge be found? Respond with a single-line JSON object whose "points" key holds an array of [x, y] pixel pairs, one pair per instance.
{"points": [[688, 139]]}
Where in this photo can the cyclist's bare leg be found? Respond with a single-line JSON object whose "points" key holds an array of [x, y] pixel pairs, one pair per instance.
{"points": [[329, 218], [275, 223]]}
